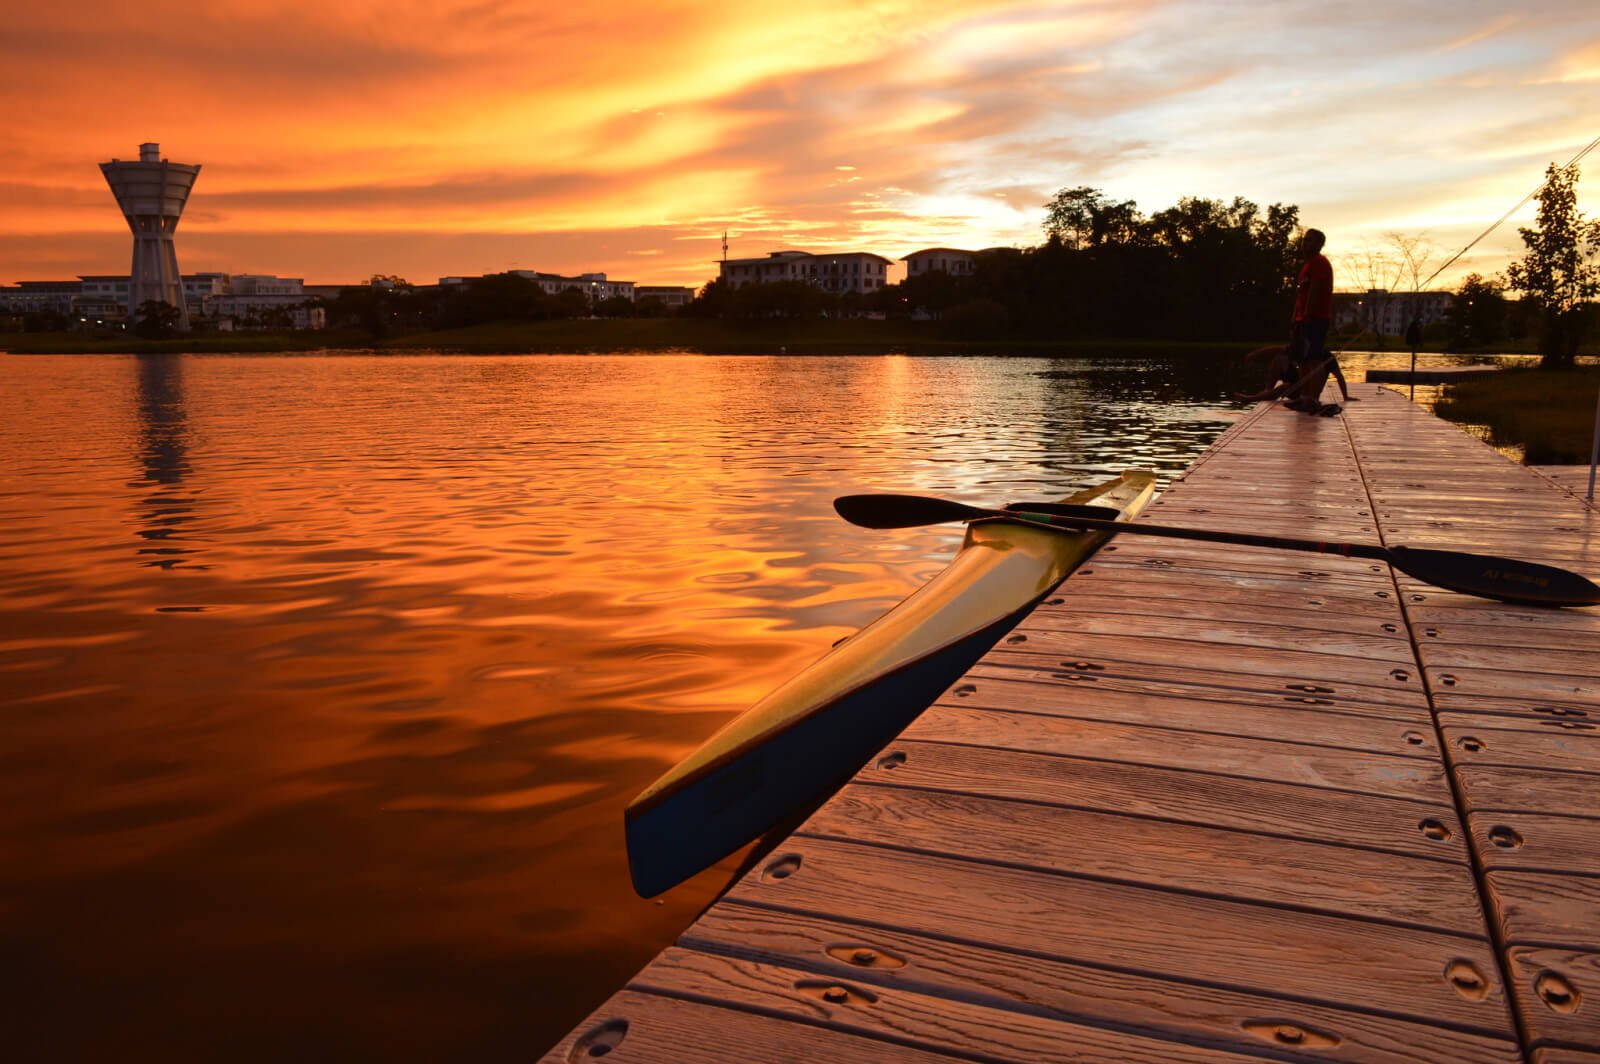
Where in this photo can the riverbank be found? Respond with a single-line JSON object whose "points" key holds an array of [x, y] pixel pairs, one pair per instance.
{"points": [[610, 336], [1549, 414]]}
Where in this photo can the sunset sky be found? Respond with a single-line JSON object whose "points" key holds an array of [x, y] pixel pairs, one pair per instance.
{"points": [[468, 136]]}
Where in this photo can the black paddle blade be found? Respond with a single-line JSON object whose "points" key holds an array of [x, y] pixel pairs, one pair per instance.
{"points": [[1506, 579], [903, 511]]}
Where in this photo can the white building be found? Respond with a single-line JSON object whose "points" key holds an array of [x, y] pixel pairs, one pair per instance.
{"points": [[950, 261], [1390, 313], [597, 286], [845, 271], [668, 295], [34, 297], [228, 301]]}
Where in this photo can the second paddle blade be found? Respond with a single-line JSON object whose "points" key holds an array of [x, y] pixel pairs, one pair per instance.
{"points": [[1506, 579], [903, 511]]}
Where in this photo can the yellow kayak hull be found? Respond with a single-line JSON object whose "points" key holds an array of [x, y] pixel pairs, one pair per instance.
{"points": [[796, 746]]}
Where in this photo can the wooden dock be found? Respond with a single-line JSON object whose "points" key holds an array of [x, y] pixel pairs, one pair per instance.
{"points": [[1435, 375], [1208, 803]]}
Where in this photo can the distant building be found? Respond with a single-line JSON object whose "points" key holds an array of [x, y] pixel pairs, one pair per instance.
{"points": [[1390, 313], [39, 297], [597, 286], [256, 301], [668, 295], [226, 301], [845, 271], [950, 261]]}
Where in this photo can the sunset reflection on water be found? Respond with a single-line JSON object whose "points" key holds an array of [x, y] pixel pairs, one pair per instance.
{"points": [[328, 677]]}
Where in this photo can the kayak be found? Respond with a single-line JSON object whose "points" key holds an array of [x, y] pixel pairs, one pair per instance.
{"points": [[798, 745]]}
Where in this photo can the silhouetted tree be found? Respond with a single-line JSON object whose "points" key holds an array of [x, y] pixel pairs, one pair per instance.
{"points": [[1478, 316], [712, 301], [1559, 273], [614, 307], [780, 301], [157, 320]]}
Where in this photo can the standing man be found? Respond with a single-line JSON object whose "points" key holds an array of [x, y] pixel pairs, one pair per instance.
{"points": [[1313, 312]]}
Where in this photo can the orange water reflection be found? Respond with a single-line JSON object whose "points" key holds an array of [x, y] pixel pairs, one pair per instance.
{"points": [[327, 678]]}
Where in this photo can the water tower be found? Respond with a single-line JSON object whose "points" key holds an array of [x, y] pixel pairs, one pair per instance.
{"points": [[151, 193]]}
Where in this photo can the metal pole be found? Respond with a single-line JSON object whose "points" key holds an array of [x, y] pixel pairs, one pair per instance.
{"points": [[1594, 448]]}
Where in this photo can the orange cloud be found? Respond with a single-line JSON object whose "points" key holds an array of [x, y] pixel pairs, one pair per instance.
{"points": [[468, 135]]}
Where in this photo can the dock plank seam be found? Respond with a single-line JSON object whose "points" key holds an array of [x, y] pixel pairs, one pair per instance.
{"points": [[1162, 976], [1502, 935]]}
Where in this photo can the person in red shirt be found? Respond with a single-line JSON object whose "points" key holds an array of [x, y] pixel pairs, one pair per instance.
{"points": [[1313, 312], [1300, 368]]}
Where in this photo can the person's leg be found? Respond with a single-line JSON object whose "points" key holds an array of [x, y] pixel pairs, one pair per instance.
{"points": [[1296, 364], [1316, 363], [1338, 375]]}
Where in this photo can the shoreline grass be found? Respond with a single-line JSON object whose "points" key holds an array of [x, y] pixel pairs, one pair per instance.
{"points": [[1550, 414], [650, 335], [614, 336]]}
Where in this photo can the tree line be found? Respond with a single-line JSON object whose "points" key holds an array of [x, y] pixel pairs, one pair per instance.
{"points": [[1208, 269], [1201, 269]]}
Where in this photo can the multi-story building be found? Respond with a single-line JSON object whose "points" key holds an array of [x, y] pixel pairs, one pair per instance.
{"points": [[950, 261], [845, 271], [666, 294], [228, 301], [594, 285], [1390, 313], [257, 300], [36, 297]]}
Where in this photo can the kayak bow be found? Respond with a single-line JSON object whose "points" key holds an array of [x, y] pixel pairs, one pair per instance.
{"points": [[798, 745]]}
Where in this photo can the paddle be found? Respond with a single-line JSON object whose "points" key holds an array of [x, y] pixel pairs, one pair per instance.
{"points": [[1483, 575]]}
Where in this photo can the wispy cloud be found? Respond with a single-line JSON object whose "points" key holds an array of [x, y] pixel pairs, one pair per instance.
{"points": [[456, 136]]}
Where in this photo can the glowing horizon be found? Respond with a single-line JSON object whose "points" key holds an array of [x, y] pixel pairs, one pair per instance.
{"points": [[470, 136]]}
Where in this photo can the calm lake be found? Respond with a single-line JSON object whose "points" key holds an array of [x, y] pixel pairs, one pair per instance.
{"points": [[326, 678]]}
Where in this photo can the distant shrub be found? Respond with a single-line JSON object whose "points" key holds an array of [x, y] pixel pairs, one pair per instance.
{"points": [[976, 319]]}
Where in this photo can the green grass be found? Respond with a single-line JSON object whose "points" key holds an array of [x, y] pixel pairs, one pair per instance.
{"points": [[1550, 414]]}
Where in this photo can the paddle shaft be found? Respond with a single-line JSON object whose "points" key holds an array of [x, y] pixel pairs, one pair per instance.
{"points": [[1245, 539], [1506, 579]]}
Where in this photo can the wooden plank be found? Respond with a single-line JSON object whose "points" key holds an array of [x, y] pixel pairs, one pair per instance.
{"points": [[1579, 665], [1564, 1055], [1179, 681], [1375, 644], [1294, 665], [1478, 745], [1507, 788], [1519, 718], [1508, 635], [1300, 593], [1493, 683], [639, 1028], [1074, 603], [1260, 759], [1023, 982], [1418, 829], [1235, 945], [1532, 842], [1449, 701], [1556, 991], [898, 1015], [1157, 576], [1547, 908], [1289, 722], [1202, 860]]}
